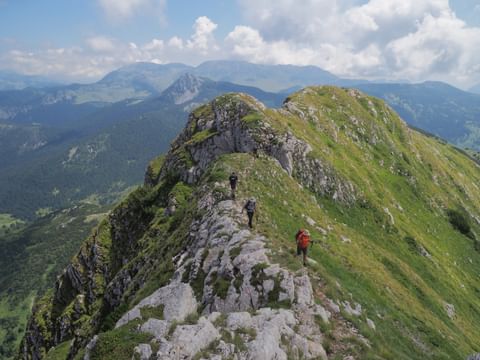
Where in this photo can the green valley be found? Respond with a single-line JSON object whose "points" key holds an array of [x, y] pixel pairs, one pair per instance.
{"points": [[31, 259]]}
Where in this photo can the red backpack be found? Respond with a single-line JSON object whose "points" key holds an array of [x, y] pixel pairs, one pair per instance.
{"points": [[303, 240]]}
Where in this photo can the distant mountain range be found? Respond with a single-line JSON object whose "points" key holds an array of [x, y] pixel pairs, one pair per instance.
{"points": [[13, 81], [51, 164], [272, 78], [61, 136]]}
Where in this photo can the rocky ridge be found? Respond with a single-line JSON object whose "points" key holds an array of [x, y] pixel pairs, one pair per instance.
{"points": [[175, 273], [236, 126], [233, 277], [241, 285]]}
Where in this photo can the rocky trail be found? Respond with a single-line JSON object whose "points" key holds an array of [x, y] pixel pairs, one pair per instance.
{"points": [[248, 308], [231, 257]]}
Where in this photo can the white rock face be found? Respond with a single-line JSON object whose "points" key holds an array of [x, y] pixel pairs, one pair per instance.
{"points": [[239, 320], [324, 314], [157, 328], [450, 309], [355, 311], [188, 340], [371, 324], [142, 352], [177, 298], [304, 291], [90, 346]]}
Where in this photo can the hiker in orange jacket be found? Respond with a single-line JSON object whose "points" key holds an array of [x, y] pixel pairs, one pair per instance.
{"points": [[303, 241]]}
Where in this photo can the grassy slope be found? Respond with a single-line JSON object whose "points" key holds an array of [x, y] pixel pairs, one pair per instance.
{"points": [[9, 223], [381, 268]]}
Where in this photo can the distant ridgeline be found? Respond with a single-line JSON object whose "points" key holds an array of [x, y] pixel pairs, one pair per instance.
{"points": [[61, 135], [174, 272], [59, 146]]}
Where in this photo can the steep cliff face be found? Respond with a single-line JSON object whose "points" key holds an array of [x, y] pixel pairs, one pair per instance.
{"points": [[175, 273]]}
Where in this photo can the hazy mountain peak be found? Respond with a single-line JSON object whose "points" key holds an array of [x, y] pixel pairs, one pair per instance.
{"points": [[185, 88]]}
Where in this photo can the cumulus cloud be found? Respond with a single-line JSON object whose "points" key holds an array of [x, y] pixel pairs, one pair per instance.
{"points": [[414, 39], [123, 9], [102, 54], [101, 44], [395, 39], [155, 44], [58, 62], [203, 39], [247, 43], [175, 42]]}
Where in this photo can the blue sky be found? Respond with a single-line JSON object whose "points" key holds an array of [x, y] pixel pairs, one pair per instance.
{"points": [[66, 22], [82, 40]]}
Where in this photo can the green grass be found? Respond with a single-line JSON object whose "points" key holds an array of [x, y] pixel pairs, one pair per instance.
{"points": [[201, 136], [221, 286], [152, 312], [60, 352], [13, 320], [118, 344], [9, 224], [379, 268], [253, 120], [7, 219]]}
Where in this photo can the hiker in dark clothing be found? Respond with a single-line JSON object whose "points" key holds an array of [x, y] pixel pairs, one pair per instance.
{"points": [[302, 239], [233, 184], [250, 206]]}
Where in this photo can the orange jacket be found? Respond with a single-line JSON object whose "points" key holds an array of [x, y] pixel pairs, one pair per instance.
{"points": [[303, 240]]}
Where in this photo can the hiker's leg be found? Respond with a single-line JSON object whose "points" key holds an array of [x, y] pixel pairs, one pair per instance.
{"points": [[299, 251], [305, 256], [250, 218]]}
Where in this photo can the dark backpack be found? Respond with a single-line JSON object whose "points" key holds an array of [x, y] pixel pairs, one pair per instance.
{"points": [[250, 206]]}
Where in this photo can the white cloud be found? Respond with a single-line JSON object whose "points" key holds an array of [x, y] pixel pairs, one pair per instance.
{"points": [[203, 39], [61, 61], [176, 42], [103, 54], [123, 9], [394, 39], [247, 43], [101, 44], [415, 39], [155, 44]]}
